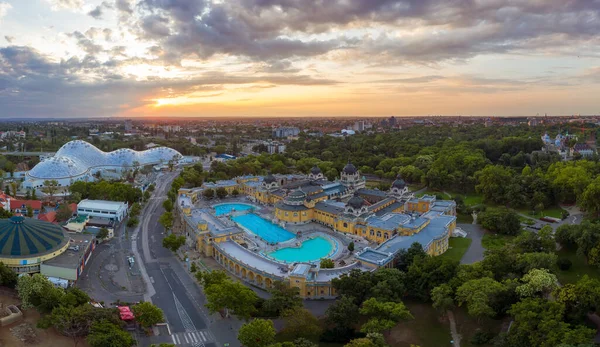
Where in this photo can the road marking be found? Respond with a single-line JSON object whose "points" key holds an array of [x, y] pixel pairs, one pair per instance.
{"points": [[173, 338], [186, 339]]}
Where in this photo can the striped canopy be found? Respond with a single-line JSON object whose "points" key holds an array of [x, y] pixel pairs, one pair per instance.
{"points": [[21, 236]]}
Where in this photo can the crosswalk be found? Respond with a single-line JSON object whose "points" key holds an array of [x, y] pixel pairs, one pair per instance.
{"points": [[192, 338]]}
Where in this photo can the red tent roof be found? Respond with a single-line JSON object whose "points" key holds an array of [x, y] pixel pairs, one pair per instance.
{"points": [[48, 217], [35, 204], [73, 207]]}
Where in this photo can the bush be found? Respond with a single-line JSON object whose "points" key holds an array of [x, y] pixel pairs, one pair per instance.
{"points": [[481, 337], [132, 222], [564, 264], [193, 267]]}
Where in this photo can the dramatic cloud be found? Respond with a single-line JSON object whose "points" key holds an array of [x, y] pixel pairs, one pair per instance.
{"points": [[356, 57], [32, 85]]}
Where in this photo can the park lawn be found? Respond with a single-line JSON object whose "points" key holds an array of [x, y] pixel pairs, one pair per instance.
{"points": [[470, 199], [553, 211], [577, 270], [427, 328], [527, 221], [457, 246], [495, 241], [464, 218]]}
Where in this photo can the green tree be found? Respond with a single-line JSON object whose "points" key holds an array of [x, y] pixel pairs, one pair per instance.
{"points": [[132, 222], [382, 315], [343, 314], [50, 187], [361, 342], [539, 322], [579, 298], [208, 193], [168, 205], [231, 296], [106, 334], [102, 234], [283, 298], [147, 314], [300, 323], [235, 193], [76, 321], [64, 212], [478, 295], [221, 192], [590, 198], [37, 291], [33, 194], [207, 279], [443, 297], [257, 333], [8, 277], [537, 281], [327, 263], [135, 210], [493, 182], [351, 246], [29, 211], [166, 220], [173, 242], [500, 220]]}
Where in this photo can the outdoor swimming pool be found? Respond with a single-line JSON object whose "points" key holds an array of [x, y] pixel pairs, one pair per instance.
{"points": [[263, 228], [227, 208], [310, 250]]}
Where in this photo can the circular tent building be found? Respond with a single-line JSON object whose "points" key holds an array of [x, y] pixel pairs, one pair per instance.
{"points": [[25, 243], [79, 161]]}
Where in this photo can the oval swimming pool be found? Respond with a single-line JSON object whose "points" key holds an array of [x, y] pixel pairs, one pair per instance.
{"points": [[227, 208], [309, 250]]}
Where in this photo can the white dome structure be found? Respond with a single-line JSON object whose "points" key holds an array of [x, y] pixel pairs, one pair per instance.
{"points": [[78, 160]]}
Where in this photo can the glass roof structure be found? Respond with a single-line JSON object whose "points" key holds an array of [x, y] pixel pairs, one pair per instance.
{"points": [[77, 157]]}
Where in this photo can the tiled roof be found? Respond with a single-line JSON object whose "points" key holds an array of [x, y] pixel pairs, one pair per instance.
{"points": [[18, 204]]}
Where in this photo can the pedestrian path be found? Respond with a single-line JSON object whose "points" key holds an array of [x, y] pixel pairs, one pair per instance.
{"points": [[192, 338]]}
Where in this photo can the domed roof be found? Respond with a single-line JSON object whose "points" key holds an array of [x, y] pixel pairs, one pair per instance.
{"points": [[296, 195], [350, 169], [399, 183], [57, 167], [77, 157], [315, 170], [356, 202], [26, 237], [269, 179]]}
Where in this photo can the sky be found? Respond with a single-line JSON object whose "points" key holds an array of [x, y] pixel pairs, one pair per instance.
{"points": [[298, 58]]}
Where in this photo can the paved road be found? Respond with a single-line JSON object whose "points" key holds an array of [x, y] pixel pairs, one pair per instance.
{"points": [[172, 288], [475, 251]]}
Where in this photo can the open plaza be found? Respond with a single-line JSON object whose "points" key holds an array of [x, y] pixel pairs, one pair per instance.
{"points": [[279, 227]]}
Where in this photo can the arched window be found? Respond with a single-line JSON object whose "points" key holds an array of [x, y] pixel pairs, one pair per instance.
{"points": [[345, 225], [379, 234], [385, 236], [372, 232]]}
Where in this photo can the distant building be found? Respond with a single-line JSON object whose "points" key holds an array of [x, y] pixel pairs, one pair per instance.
{"points": [[112, 210], [285, 132], [275, 147], [359, 126], [12, 134], [128, 125], [583, 149]]}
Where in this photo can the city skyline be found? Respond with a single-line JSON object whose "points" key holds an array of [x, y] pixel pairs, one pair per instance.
{"points": [[285, 58]]}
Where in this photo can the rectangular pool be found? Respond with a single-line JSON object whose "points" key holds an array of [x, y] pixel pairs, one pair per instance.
{"points": [[263, 228], [309, 251]]}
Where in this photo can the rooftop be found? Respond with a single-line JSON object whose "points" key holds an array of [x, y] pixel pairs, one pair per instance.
{"points": [[102, 205], [72, 258]]}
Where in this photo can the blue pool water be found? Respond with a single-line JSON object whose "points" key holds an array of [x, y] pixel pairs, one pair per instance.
{"points": [[263, 228], [309, 250], [227, 208]]}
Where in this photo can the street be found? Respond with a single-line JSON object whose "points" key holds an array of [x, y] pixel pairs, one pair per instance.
{"points": [[165, 281]]}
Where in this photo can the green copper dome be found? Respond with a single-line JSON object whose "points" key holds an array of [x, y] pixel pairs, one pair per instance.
{"points": [[21, 237]]}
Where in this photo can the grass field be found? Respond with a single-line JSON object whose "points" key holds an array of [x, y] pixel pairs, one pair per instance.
{"points": [[554, 211], [471, 199], [457, 246], [578, 270], [464, 218], [495, 241]]}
